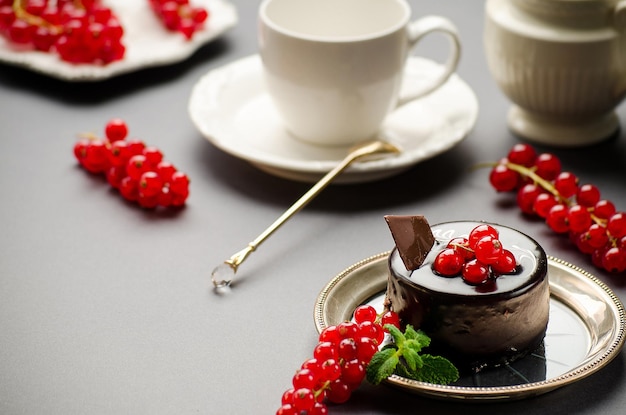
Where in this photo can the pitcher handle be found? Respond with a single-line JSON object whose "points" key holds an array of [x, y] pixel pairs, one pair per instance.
{"points": [[619, 15]]}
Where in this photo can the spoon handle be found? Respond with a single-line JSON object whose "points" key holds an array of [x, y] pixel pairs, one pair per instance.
{"points": [[376, 147]]}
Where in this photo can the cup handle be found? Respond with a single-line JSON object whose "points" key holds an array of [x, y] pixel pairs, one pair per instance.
{"points": [[420, 28]]}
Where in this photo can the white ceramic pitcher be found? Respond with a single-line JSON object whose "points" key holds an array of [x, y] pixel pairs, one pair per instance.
{"points": [[562, 63]]}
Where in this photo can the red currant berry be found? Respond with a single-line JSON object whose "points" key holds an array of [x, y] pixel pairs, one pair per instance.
{"points": [[325, 350], [287, 397], [150, 184], [318, 409], [148, 202], [7, 15], [566, 184], [119, 153], [115, 130], [165, 197], [135, 147], [338, 392], [303, 399], [579, 218], [44, 38], [448, 263], [115, 175], [372, 330], [304, 378], [347, 349], [488, 250], [311, 364], [178, 199], [503, 179], [588, 195], [522, 154], [366, 348], [616, 225], [597, 257], [461, 246], [129, 188], [581, 241], [80, 150], [353, 372], [365, 313], [614, 260], [548, 166], [347, 329], [330, 370], [153, 155], [165, 169], [506, 263], [200, 15], [390, 317], [287, 409], [96, 159], [557, 219], [330, 334], [20, 32], [526, 197], [136, 166], [596, 236], [179, 183], [474, 272], [543, 203], [480, 232], [604, 209]]}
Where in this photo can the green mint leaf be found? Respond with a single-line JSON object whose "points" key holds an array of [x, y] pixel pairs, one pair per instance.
{"points": [[418, 337], [403, 358], [396, 334], [382, 365], [412, 358], [436, 369], [404, 371]]}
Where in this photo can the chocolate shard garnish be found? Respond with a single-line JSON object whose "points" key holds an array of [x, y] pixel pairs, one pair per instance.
{"points": [[413, 238]]}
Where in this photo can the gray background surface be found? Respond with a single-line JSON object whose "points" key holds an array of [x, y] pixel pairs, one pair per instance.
{"points": [[106, 308]]}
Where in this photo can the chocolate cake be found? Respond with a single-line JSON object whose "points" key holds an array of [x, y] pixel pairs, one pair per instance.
{"points": [[474, 325]]}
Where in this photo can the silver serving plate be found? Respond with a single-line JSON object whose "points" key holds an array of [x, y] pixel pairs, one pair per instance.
{"points": [[586, 331]]}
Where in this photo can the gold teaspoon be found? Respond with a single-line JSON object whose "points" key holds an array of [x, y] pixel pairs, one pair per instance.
{"points": [[223, 274]]}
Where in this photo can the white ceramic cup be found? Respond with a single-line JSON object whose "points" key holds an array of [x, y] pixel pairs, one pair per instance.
{"points": [[334, 67]]}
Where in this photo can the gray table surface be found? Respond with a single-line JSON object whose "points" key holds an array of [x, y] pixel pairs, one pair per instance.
{"points": [[106, 308]]}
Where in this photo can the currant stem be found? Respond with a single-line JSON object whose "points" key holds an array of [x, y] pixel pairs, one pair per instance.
{"points": [[543, 183], [21, 13]]}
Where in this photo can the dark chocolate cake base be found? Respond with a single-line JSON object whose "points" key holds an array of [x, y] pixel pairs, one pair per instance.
{"points": [[475, 326]]}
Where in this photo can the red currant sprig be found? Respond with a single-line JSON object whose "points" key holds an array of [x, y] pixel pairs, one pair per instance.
{"points": [[476, 258], [180, 16], [544, 190], [79, 31], [338, 364], [138, 171], [86, 31]]}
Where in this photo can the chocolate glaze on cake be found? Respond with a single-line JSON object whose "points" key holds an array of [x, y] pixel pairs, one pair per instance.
{"points": [[475, 326]]}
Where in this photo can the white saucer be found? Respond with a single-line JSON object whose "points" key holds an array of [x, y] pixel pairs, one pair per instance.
{"points": [[147, 42], [231, 108]]}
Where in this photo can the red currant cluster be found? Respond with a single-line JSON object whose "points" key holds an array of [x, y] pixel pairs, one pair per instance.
{"points": [[544, 190], [85, 31], [476, 258], [180, 16], [79, 31], [338, 364], [136, 170]]}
